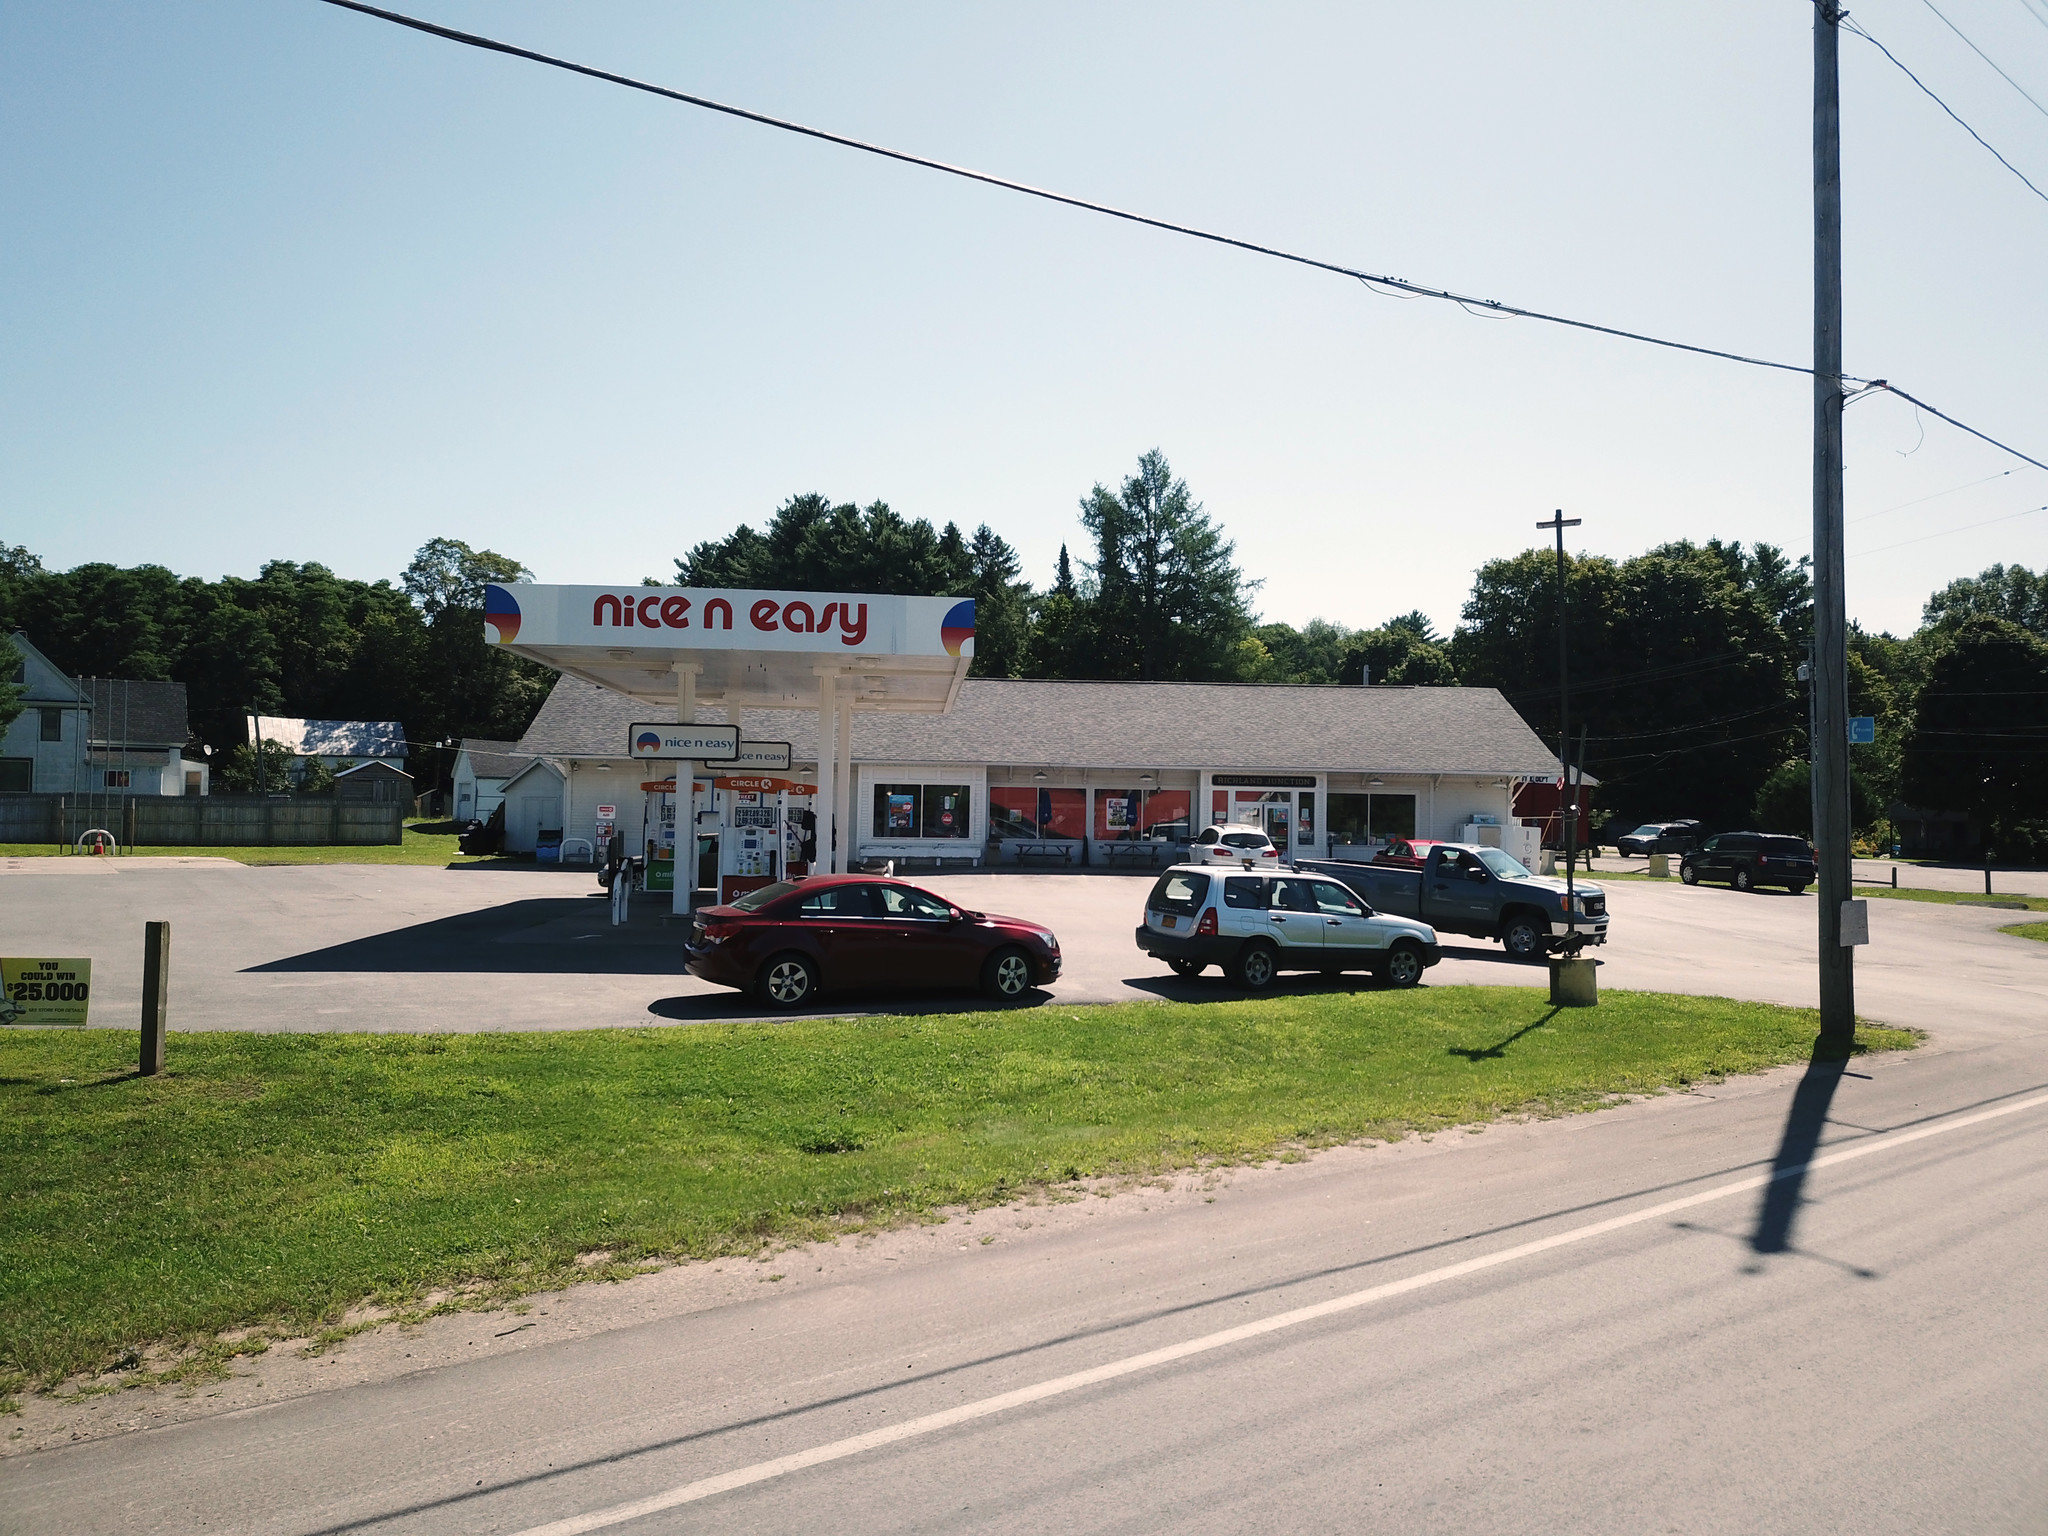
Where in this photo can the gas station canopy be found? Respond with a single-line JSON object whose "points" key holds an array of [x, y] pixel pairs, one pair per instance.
{"points": [[839, 652], [742, 649]]}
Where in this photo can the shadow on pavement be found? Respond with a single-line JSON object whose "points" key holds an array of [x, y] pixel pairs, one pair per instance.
{"points": [[1803, 1126], [729, 1007], [547, 936]]}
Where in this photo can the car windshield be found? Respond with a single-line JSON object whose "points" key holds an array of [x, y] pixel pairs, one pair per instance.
{"points": [[1648, 829], [1504, 866], [754, 901]]}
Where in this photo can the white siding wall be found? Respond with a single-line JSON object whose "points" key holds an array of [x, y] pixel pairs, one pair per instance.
{"points": [[590, 787]]}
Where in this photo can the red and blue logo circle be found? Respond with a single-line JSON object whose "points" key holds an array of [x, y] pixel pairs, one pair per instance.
{"points": [[501, 612], [957, 628], [647, 741]]}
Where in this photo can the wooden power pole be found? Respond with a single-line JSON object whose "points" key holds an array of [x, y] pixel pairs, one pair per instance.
{"points": [[1829, 742]]}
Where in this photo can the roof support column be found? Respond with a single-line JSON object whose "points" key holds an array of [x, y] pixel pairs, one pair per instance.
{"points": [[686, 691], [828, 754], [846, 810]]}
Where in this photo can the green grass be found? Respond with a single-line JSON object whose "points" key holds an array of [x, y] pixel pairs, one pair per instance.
{"points": [[2028, 931], [274, 1181], [1953, 898], [418, 848]]}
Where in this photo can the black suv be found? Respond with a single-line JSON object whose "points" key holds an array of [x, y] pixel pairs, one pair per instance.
{"points": [[1747, 860]]}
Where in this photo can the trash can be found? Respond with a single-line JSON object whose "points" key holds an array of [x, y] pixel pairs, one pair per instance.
{"points": [[547, 846]]}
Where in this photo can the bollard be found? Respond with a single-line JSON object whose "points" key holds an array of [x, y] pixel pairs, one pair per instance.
{"points": [[1660, 866], [1549, 862], [1574, 983], [1895, 877], [156, 983]]}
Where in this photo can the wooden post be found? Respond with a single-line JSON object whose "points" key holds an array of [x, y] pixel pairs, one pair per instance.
{"points": [[156, 981]]}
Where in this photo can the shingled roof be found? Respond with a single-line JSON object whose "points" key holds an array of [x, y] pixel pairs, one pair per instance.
{"points": [[1123, 725], [494, 759], [129, 713]]}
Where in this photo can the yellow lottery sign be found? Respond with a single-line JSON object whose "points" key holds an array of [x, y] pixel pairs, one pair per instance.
{"points": [[44, 991]]}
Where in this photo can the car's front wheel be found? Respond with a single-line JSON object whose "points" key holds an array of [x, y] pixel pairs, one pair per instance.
{"points": [[1257, 966], [1007, 975], [1525, 938], [1404, 966], [1688, 874], [787, 981]]}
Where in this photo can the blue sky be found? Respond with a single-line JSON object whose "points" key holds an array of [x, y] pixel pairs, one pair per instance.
{"points": [[282, 281]]}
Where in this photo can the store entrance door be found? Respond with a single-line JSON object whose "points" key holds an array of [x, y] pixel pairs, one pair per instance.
{"points": [[1280, 821]]}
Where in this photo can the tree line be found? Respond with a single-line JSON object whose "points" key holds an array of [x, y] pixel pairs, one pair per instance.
{"points": [[1686, 700]]}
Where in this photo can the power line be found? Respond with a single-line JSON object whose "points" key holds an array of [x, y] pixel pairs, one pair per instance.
{"points": [[1943, 533], [2008, 79], [1857, 28], [1864, 517], [1490, 308]]}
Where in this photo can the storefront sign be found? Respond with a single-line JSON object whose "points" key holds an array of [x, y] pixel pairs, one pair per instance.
{"points": [[766, 785], [1264, 780], [679, 742], [702, 619], [44, 991], [611, 812], [756, 757]]}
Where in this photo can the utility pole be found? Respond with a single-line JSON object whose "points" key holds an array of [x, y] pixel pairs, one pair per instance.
{"points": [[1564, 733], [1830, 740]]}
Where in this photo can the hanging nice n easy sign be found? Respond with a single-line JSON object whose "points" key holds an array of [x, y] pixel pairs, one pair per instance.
{"points": [[689, 618], [44, 991]]}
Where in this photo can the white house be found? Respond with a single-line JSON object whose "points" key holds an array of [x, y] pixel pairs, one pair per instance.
{"points": [[481, 771], [533, 804], [100, 735]]}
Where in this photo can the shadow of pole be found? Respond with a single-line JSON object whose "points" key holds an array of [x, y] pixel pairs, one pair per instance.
{"points": [[1495, 1052], [1803, 1125]]}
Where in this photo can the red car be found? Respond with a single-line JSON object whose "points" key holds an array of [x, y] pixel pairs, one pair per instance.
{"points": [[1405, 852], [789, 941]]}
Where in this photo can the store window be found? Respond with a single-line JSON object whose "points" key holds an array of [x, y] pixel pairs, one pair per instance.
{"points": [[1371, 818], [17, 775], [1138, 815], [51, 722], [1031, 814], [921, 810]]}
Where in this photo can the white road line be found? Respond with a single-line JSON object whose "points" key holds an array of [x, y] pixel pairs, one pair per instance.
{"points": [[931, 1423]]}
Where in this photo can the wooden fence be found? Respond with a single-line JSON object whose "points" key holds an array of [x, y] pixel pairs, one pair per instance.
{"points": [[203, 821]]}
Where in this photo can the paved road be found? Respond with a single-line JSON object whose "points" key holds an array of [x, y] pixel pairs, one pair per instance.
{"points": [[321, 947], [1857, 1348]]}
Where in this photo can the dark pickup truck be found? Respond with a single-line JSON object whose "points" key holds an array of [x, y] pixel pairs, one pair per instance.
{"points": [[1483, 892]]}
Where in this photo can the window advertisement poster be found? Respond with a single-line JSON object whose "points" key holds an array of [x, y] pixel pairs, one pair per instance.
{"points": [[45, 992], [900, 813], [1117, 814]]}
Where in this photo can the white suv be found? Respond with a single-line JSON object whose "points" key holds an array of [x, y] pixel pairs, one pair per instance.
{"points": [[1233, 845], [1257, 923]]}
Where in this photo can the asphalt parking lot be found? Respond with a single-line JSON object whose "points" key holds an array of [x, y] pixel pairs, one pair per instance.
{"points": [[381, 947]]}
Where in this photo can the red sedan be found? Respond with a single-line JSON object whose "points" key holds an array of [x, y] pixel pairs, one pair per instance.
{"points": [[789, 941], [1406, 852]]}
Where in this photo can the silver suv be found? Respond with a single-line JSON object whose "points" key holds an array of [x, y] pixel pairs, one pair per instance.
{"points": [[1256, 923]]}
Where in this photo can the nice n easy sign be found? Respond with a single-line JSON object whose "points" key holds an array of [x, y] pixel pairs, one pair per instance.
{"points": [[690, 618]]}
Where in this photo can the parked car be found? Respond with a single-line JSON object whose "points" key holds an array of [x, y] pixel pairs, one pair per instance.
{"points": [[1747, 860], [1256, 924], [789, 941], [1232, 845], [1485, 892], [1659, 837], [1405, 852]]}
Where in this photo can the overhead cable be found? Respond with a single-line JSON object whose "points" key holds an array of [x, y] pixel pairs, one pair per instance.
{"points": [[2008, 79], [1490, 308], [1857, 28]]}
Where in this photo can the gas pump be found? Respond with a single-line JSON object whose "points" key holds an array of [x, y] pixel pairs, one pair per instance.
{"points": [[757, 818], [658, 835]]}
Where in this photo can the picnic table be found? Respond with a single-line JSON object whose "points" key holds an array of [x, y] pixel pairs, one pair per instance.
{"points": [[1063, 851], [1131, 853]]}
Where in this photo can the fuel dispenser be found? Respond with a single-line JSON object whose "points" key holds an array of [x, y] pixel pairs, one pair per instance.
{"points": [[766, 832]]}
